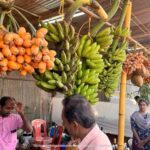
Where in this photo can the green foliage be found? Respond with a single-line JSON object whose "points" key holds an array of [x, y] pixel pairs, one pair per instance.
{"points": [[145, 92]]}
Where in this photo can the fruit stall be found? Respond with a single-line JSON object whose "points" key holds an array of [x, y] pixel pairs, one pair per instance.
{"points": [[84, 47]]}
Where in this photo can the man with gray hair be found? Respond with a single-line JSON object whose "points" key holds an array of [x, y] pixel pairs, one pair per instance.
{"points": [[78, 118]]}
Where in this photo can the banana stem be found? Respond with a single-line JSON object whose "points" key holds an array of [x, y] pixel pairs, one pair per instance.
{"points": [[33, 30], [121, 20], [72, 9], [17, 24], [3, 13], [111, 13], [13, 22], [123, 14]]}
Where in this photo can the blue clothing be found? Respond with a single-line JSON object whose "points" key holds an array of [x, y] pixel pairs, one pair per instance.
{"points": [[142, 133]]}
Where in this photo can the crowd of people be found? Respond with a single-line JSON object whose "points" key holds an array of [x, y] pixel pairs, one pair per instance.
{"points": [[79, 121]]}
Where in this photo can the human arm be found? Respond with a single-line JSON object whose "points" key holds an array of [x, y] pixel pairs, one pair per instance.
{"points": [[26, 125], [146, 140], [135, 134]]}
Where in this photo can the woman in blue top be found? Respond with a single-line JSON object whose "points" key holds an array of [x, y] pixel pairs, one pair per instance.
{"points": [[140, 124]]}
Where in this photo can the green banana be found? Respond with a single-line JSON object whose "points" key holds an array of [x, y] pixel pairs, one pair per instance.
{"points": [[60, 64], [52, 29], [79, 74], [66, 45], [92, 48], [84, 89], [82, 42], [71, 32], [104, 32], [87, 44], [47, 86], [92, 80], [78, 82], [54, 37], [66, 28], [94, 51], [68, 55], [67, 68], [49, 39], [63, 57], [64, 77], [55, 68], [48, 75], [36, 76], [96, 56], [57, 77], [59, 84], [104, 39], [44, 25], [60, 30]]}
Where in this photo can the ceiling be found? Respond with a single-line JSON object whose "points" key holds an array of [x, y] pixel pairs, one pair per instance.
{"points": [[44, 9]]}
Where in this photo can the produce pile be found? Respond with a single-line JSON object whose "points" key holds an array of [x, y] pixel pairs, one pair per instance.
{"points": [[84, 65], [137, 68], [19, 51]]}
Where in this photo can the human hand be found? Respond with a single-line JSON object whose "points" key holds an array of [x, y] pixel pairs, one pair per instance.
{"points": [[141, 144], [19, 107], [74, 142], [72, 145]]}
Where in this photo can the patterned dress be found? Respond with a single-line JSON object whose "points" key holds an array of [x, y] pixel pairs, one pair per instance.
{"points": [[142, 133]]}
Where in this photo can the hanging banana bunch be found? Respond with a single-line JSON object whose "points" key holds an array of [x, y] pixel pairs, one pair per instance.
{"points": [[113, 59], [90, 65], [62, 77]]}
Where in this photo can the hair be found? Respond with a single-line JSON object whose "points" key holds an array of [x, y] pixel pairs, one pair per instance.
{"points": [[5, 99], [137, 97], [142, 100], [77, 108]]}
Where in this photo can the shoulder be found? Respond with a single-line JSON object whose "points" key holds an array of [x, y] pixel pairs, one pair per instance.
{"points": [[134, 114], [15, 116], [102, 141], [101, 137]]}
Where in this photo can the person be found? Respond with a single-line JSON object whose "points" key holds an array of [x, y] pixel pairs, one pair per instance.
{"points": [[140, 125], [10, 122], [78, 118]]}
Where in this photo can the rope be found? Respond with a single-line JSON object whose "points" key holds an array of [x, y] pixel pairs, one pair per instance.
{"points": [[89, 26], [61, 8]]}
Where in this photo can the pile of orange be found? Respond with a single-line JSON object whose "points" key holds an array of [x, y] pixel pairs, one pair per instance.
{"points": [[24, 53]]}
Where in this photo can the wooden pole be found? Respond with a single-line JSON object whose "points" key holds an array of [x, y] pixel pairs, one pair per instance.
{"points": [[122, 111]]}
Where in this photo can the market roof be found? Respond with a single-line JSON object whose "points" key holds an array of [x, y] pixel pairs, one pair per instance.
{"points": [[140, 24]]}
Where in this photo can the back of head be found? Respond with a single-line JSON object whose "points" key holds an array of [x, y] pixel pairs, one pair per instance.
{"points": [[4, 100], [77, 108], [137, 98]]}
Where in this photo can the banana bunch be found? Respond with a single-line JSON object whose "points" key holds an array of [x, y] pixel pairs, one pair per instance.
{"points": [[90, 65], [86, 83], [104, 38], [121, 32], [109, 78], [62, 77], [57, 32], [50, 81], [119, 55]]}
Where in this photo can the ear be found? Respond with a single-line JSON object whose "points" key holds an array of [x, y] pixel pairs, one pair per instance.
{"points": [[75, 125]]}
